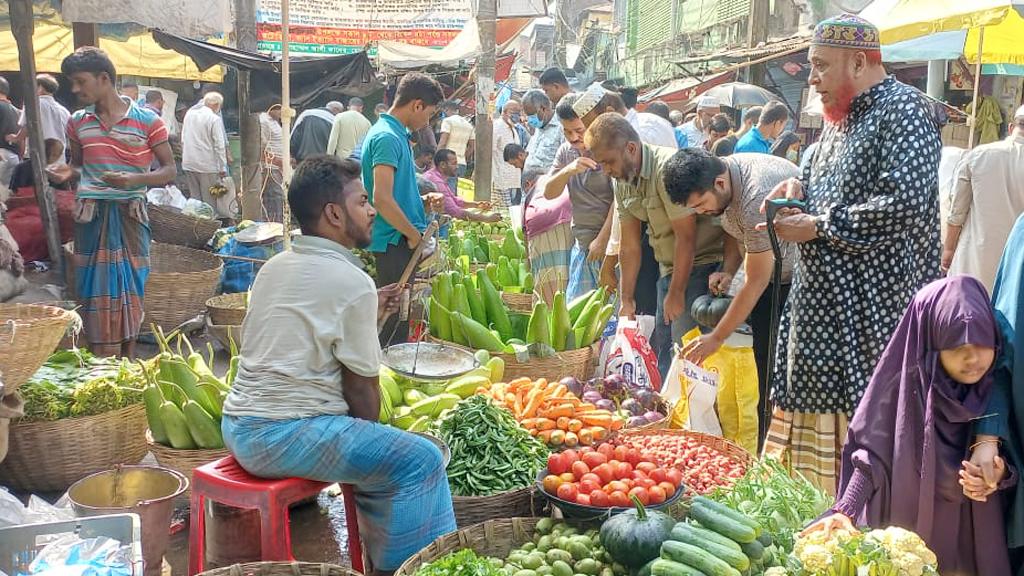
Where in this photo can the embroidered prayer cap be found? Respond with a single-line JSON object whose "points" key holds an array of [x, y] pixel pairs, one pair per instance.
{"points": [[705, 102], [847, 31], [1019, 113], [589, 100]]}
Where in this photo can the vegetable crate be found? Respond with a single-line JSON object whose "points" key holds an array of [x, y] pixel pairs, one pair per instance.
{"points": [[577, 363], [172, 227], [29, 333], [470, 510], [74, 449], [491, 538], [19, 545]]}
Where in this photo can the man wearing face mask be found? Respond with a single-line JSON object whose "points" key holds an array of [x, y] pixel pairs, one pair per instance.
{"points": [[389, 175], [547, 135], [506, 190]]}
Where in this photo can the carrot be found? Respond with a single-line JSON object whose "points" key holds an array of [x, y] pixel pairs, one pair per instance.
{"points": [[540, 383], [545, 436], [533, 400], [595, 419], [562, 423], [484, 392], [517, 405], [546, 424], [597, 432], [617, 423], [529, 423], [519, 383], [575, 425], [586, 437], [559, 391], [571, 439], [557, 438], [560, 411], [533, 432]]}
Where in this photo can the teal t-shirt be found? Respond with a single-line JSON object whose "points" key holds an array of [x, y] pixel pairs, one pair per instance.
{"points": [[753, 142], [387, 143]]}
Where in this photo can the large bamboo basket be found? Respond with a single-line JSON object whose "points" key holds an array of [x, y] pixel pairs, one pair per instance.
{"points": [[518, 302], [728, 448], [50, 456], [170, 226], [281, 569], [494, 538], [183, 461], [471, 510], [180, 282], [29, 333], [226, 309], [577, 363]]}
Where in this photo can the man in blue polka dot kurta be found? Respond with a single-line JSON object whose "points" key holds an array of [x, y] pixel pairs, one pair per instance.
{"points": [[868, 241]]}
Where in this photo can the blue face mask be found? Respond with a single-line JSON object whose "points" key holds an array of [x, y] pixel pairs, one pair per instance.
{"points": [[534, 121]]}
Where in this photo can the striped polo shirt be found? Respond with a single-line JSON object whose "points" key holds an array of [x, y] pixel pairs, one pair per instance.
{"points": [[124, 147]]}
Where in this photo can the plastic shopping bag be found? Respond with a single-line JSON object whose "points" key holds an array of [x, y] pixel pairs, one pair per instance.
{"points": [[737, 391], [692, 391], [630, 354]]}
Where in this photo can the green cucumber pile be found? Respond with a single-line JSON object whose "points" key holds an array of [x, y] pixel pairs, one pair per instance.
{"points": [[491, 452], [474, 248]]}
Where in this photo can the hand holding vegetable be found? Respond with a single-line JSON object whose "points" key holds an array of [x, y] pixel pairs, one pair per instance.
{"points": [[837, 523]]}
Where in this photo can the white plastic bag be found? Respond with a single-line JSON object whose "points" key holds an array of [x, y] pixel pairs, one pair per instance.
{"points": [[168, 196], [630, 354], [692, 391]]}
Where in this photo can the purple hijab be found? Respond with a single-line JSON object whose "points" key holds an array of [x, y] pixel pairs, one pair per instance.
{"points": [[911, 429]]}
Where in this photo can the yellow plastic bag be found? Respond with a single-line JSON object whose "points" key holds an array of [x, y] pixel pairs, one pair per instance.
{"points": [[737, 392]]}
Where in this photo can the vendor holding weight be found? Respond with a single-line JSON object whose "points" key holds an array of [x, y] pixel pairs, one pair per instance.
{"points": [[306, 401], [734, 188]]}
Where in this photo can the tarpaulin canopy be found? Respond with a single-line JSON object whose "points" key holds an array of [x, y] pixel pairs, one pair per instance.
{"points": [[900, 20], [683, 89], [349, 75], [401, 56], [137, 55]]}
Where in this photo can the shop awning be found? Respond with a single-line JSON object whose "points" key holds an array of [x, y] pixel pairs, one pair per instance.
{"points": [[683, 89], [774, 49]]}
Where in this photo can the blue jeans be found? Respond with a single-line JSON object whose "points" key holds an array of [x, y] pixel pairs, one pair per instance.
{"points": [[665, 336]]}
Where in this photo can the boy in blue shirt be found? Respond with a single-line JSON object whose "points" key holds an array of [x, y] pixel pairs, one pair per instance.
{"points": [[772, 123], [389, 175]]}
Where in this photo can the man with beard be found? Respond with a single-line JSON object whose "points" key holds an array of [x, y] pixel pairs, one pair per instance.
{"points": [[868, 241], [306, 400]]}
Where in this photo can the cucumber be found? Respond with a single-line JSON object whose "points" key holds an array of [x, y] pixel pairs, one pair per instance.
{"points": [[765, 539], [754, 550], [662, 567], [732, 555], [700, 558], [729, 513], [703, 533], [722, 524], [646, 570]]}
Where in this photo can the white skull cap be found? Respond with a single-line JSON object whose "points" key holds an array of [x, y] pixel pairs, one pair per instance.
{"points": [[1019, 113], [589, 100]]}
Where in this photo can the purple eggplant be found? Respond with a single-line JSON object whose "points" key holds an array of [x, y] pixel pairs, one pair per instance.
{"points": [[653, 416], [592, 396], [635, 421], [647, 398], [574, 385], [605, 404], [634, 407], [614, 384]]}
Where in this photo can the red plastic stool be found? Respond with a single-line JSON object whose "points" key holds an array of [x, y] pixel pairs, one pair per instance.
{"points": [[225, 482]]}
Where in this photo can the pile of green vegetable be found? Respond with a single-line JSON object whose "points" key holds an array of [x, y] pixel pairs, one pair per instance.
{"points": [[782, 504], [462, 227], [462, 563], [184, 398], [491, 452], [74, 383], [561, 550], [369, 261], [473, 248]]}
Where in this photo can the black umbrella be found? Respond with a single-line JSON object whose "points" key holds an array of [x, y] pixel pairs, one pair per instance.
{"points": [[741, 95]]}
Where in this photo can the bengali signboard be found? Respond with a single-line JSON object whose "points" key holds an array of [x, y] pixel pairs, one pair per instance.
{"points": [[345, 26]]}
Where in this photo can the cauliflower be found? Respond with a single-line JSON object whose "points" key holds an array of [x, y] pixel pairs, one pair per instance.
{"points": [[906, 549], [776, 571]]}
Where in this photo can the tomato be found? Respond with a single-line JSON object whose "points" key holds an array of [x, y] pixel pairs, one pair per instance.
{"points": [[641, 494], [570, 456], [567, 491], [567, 477], [579, 469], [659, 475], [674, 477], [616, 486], [594, 459], [619, 499], [638, 475], [633, 457], [668, 488], [583, 499], [646, 467], [605, 472], [621, 453], [607, 450], [551, 483], [629, 482], [585, 450], [557, 464], [656, 494], [588, 486], [592, 477], [623, 470], [600, 498], [646, 483]]}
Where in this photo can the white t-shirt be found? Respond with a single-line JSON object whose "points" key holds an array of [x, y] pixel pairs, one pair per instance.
{"points": [[203, 143], [312, 311], [460, 132], [505, 175], [53, 117]]}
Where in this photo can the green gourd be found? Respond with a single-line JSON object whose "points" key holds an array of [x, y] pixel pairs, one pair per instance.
{"points": [[708, 310], [634, 537]]}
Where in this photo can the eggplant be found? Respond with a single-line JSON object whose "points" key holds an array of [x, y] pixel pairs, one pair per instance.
{"points": [[605, 404], [634, 407], [653, 416], [574, 385], [636, 421], [614, 383], [592, 396], [647, 398]]}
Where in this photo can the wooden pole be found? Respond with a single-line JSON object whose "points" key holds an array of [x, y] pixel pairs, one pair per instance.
{"points": [[286, 124], [757, 33], [977, 86], [248, 120], [22, 27], [487, 23]]}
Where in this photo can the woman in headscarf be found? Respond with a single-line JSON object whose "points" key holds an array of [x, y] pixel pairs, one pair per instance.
{"points": [[1006, 406], [787, 146], [913, 428]]}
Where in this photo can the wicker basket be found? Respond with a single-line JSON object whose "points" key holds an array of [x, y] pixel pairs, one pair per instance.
{"points": [[29, 333], [281, 569], [180, 282], [575, 363], [172, 227], [226, 309], [492, 538], [50, 456], [518, 302], [471, 510], [182, 461], [728, 448]]}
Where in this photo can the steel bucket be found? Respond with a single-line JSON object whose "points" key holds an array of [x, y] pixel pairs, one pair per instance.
{"points": [[148, 491]]}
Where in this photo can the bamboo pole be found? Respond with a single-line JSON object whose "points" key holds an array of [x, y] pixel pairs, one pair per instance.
{"points": [[286, 123], [977, 87]]}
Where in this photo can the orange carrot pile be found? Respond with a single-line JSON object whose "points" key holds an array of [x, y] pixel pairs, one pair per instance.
{"points": [[553, 414]]}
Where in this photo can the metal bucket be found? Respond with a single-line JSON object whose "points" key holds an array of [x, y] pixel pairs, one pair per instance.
{"points": [[148, 491]]}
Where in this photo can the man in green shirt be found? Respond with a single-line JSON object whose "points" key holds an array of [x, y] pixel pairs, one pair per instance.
{"points": [[687, 246]]}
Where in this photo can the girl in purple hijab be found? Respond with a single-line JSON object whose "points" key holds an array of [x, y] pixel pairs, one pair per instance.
{"points": [[912, 431]]}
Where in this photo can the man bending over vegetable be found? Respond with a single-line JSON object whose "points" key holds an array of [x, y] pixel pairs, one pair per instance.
{"points": [[305, 402]]}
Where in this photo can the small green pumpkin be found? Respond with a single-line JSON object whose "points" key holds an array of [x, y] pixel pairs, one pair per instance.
{"points": [[634, 537], [708, 310]]}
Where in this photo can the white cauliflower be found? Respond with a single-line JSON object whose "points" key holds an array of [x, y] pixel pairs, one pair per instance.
{"points": [[776, 571]]}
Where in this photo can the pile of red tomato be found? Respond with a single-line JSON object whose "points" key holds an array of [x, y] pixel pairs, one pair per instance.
{"points": [[608, 475], [703, 468]]}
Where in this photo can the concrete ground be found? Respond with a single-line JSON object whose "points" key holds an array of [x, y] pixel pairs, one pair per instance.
{"points": [[318, 529]]}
